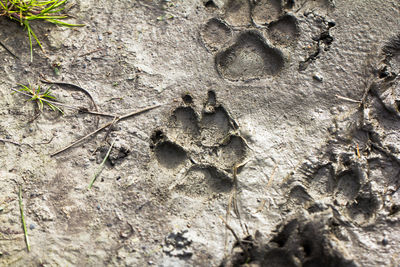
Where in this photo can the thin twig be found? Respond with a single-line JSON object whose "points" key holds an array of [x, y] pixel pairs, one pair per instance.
{"points": [[262, 205], [105, 126], [110, 127], [91, 52], [81, 139], [8, 50], [134, 113], [230, 229], [348, 99], [9, 141], [80, 85], [235, 235], [235, 192], [15, 143], [44, 80], [101, 166], [28, 246]]}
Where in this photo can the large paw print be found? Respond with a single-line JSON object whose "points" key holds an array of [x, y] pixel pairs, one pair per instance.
{"points": [[248, 39], [202, 147], [251, 38]]}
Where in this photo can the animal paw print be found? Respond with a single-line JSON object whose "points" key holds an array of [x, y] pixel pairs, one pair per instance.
{"points": [[199, 149], [248, 39], [345, 184]]}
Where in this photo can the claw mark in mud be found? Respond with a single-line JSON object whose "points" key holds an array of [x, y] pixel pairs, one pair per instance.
{"points": [[284, 31], [237, 12], [250, 57], [215, 34], [202, 150], [266, 11]]}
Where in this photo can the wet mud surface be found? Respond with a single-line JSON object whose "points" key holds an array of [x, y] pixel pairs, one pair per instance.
{"points": [[276, 142]]}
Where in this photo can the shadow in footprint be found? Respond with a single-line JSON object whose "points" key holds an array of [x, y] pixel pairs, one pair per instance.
{"points": [[170, 155], [249, 58]]}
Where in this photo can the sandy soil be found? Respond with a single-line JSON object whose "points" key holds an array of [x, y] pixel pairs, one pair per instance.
{"points": [[276, 143]]}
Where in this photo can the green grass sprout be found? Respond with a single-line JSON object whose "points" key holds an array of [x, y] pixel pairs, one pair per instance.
{"points": [[39, 97], [25, 11], [28, 246], [101, 166]]}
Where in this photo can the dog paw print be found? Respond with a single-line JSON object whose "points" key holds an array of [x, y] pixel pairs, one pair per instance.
{"points": [[199, 146], [250, 39], [247, 40], [344, 182]]}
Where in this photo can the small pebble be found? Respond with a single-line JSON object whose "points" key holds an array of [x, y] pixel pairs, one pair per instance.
{"points": [[32, 226], [318, 77], [385, 241]]}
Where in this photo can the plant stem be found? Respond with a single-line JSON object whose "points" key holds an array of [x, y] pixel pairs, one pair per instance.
{"points": [[28, 246], [101, 166]]}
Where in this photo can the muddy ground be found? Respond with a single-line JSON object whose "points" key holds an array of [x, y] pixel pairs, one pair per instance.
{"points": [[279, 119]]}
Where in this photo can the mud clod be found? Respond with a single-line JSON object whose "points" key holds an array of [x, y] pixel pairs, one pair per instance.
{"points": [[177, 244]]}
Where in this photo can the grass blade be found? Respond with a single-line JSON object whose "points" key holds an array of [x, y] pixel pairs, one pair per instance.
{"points": [[28, 246], [101, 166]]}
